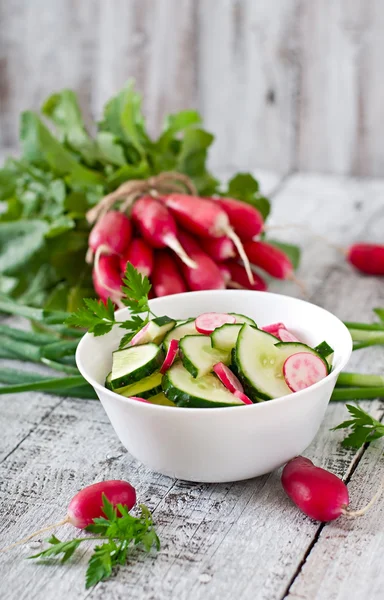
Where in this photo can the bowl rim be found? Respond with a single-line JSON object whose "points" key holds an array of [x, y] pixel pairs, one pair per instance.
{"points": [[198, 411]]}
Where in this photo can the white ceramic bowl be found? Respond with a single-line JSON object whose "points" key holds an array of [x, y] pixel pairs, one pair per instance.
{"points": [[221, 444]]}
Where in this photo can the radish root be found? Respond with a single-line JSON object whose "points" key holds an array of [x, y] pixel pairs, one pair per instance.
{"points": [[174, 244], [351, 514], [34, 534], [240, 248]]}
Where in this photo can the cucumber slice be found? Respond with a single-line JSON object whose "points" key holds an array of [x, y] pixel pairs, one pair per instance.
{"points": [[161, 399], [198, 356], [259, 363], [145, 388], [135, 363], [107, 383], [243, 319], [206, 392], [225, 337], [187, 328], [154, 331]]}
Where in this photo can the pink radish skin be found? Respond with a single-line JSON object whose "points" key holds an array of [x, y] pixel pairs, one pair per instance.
{"points": [[112, 231], [207, 276], [140, 255], [225, 272], [172, 351], [243, 397], [206, 219], [158, 227], [273, 329], [244, 218], [86, 505], [208, 322], [219, 249], [166, 278], [286, 336], [227, 378], [302, 370], [139, 399], [239, 278], [367, 258], [321, 495], [140, 337], [107, 279], [272, 260]]}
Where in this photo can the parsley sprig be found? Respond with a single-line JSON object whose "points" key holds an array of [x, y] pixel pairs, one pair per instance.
{"points": [[99, 318], [365, 428], [120, 532]]}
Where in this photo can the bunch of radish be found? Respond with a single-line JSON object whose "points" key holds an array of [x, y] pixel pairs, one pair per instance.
{"points": [[181, 242]]}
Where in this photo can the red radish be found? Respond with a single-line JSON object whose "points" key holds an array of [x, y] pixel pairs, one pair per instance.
{"points": [[367, 258], [207, 276], [227, 378], [244, 218], [242, 397], [172, 351], [112, 233], [320, 494], [87, 505], [302, 370], [107, 279], [140, 255], [225, 272], [286, 336], [205, 218], [158, 227], [166, 278], [274, 328], [208, 322], [139, 399], [240, 280], [269, 258], [220, 248], [140, 337]]}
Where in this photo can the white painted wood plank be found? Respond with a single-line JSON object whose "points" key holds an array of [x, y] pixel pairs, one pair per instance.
{"points": [[341, 97], [153, 42], [247, 79]]}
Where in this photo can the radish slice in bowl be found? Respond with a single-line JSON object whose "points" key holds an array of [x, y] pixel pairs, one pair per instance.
{"points": [[302, 370], [243, 397], [208, 322], [273, 329], [286, 336], [227, 378], [172, 351]]}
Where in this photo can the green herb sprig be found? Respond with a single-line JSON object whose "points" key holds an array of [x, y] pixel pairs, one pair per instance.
{"points": [[120, 532], [99, 318], [365, 428]]}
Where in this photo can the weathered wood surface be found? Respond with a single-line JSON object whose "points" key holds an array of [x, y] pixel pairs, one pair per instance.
{"points": [[283, 84], [244, 539]]}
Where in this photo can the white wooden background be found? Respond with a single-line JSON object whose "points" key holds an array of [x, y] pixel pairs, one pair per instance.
{"points": [[242, 540], [285, 84]]}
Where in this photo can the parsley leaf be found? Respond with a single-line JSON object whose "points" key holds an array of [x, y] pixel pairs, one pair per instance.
{"points": [[365, 428], [120, 532], [96, 316], [136, 289]]}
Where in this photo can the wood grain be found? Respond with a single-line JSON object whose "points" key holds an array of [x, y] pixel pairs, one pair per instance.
{"points": [[244, 539]]}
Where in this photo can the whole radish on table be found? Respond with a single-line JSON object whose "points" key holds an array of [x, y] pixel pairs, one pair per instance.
{"points": [[180, 241]]}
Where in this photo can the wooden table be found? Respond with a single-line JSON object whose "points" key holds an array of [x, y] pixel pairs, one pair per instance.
{"points": [[238, 540]]}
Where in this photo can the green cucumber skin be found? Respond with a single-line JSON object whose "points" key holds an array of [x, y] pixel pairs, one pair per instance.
{"points": [[147, 394], [254, 394], [166, 340], [213, 336], [187, 364], [107, 383], [247, 321], [160, 321], [185, 400], [141, 372]]}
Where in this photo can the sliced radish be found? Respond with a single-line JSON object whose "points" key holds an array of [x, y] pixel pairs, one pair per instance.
{"points": [[227, 378], [138, 399], [208, 322], [273, 329], [302, 370], [242, 397], [286, 336], [172, 351], [140, 337]]}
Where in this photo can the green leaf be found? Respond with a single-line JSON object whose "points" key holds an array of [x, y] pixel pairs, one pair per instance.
{"points": [[7, 184], [57, 547], [19, 242], [100, 564], [365, 428], [109, 149], [242, 185], [293, 252], [42, 149], [380, 313], [64, 111]]}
